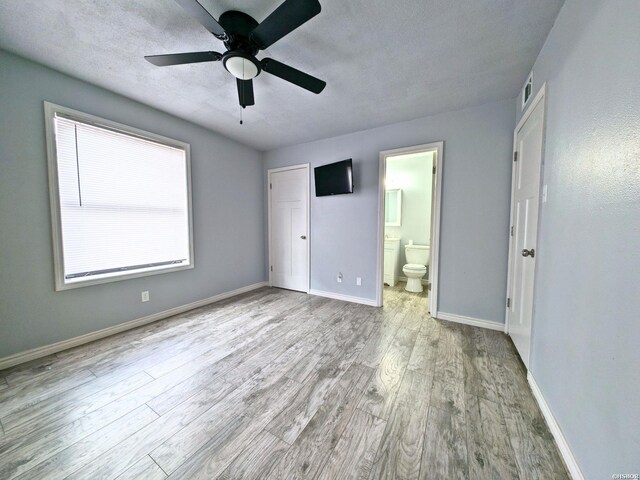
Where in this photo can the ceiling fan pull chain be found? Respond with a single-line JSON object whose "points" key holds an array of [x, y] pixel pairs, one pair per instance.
{"points": [[242, 103]]}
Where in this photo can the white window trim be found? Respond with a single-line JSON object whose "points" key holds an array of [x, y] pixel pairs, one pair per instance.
{"points": [[50, 110]]}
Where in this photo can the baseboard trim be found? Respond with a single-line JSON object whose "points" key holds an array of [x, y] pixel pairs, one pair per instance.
{"points": [[476, 322], [565, 452], [39, 352], [346, 298]]}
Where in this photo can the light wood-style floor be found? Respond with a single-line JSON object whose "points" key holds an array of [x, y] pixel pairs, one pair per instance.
{"points": [[276, 384]]}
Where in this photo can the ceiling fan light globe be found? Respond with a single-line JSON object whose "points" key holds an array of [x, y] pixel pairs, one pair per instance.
{"points": [[241, 67]]}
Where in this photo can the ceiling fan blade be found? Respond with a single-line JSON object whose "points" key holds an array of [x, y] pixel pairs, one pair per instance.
{"points": [[292, 75], [201, 14], [181, 58], [283, 20], [245, 92]]}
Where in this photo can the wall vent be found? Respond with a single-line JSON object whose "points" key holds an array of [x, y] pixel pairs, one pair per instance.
{"points": [[527, 90]]}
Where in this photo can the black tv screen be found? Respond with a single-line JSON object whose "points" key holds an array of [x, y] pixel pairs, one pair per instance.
{"points": [[334, 179]]}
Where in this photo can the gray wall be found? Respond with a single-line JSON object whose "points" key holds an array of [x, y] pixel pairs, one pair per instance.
{"points": [[227, 210], [586, 332], [475, 206], [412, 174]]}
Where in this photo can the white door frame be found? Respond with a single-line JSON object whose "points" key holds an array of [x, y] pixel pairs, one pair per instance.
{"points": [[540, 97], [438, 162], [271, 171]]}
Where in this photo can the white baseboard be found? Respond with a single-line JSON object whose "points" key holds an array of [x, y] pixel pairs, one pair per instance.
{"points": [[476, 322], [566, 453], [346, 298], [40, 352]]}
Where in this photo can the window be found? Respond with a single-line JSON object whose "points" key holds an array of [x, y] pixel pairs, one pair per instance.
{"points": [[120, 200]]}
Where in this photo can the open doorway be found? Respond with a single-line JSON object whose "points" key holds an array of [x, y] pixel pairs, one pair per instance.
{"points": [[410, 195]]}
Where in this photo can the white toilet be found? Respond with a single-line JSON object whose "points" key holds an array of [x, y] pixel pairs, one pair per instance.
{"points": [[416, 267]]}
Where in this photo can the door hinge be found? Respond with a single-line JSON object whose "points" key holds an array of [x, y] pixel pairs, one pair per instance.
{"points": [[512, 230], [515, 156], [270, 186], [508, 303], [429, 286], [271, 268], [434, 169]]}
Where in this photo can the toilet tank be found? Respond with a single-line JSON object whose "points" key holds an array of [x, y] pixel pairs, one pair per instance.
{"points": [[418, 254]]}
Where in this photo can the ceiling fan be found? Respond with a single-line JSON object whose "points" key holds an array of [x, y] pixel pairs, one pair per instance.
{"points": [[243, 37]]}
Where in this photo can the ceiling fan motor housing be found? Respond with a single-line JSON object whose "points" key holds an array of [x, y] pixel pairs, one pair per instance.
{"points": [[240, 59], [239, 26]]}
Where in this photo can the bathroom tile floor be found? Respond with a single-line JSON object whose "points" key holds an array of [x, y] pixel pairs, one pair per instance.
{"points": [[275, 384]]}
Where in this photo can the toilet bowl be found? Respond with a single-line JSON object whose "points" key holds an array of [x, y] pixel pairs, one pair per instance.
{"points": [[416, 268]]}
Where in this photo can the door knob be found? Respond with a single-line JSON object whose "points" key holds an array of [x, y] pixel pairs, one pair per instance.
{"points": [[304, 237], [528, 253]]}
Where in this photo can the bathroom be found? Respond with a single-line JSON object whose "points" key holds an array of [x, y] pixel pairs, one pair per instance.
{"points": [[408, 209]]}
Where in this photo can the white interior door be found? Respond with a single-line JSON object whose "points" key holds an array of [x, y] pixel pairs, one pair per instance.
{"points": [[526, 190], [289, 243]]}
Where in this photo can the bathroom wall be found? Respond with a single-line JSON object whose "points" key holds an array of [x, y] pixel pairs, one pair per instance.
{"points": [[227, 210], [413, 175], [585, 353]]}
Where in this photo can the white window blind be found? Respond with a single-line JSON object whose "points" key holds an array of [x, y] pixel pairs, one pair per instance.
{"points": [[123, 203]]}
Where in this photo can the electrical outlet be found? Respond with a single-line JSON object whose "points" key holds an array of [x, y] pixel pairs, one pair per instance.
{"points": [[145, 296], [359, 281], [339, 279]]}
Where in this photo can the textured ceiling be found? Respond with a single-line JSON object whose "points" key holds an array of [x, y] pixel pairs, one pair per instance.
{"points": [[384, 61]]}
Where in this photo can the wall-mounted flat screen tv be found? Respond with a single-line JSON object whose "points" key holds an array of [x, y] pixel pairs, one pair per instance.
{"points": [[334, 178]]}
